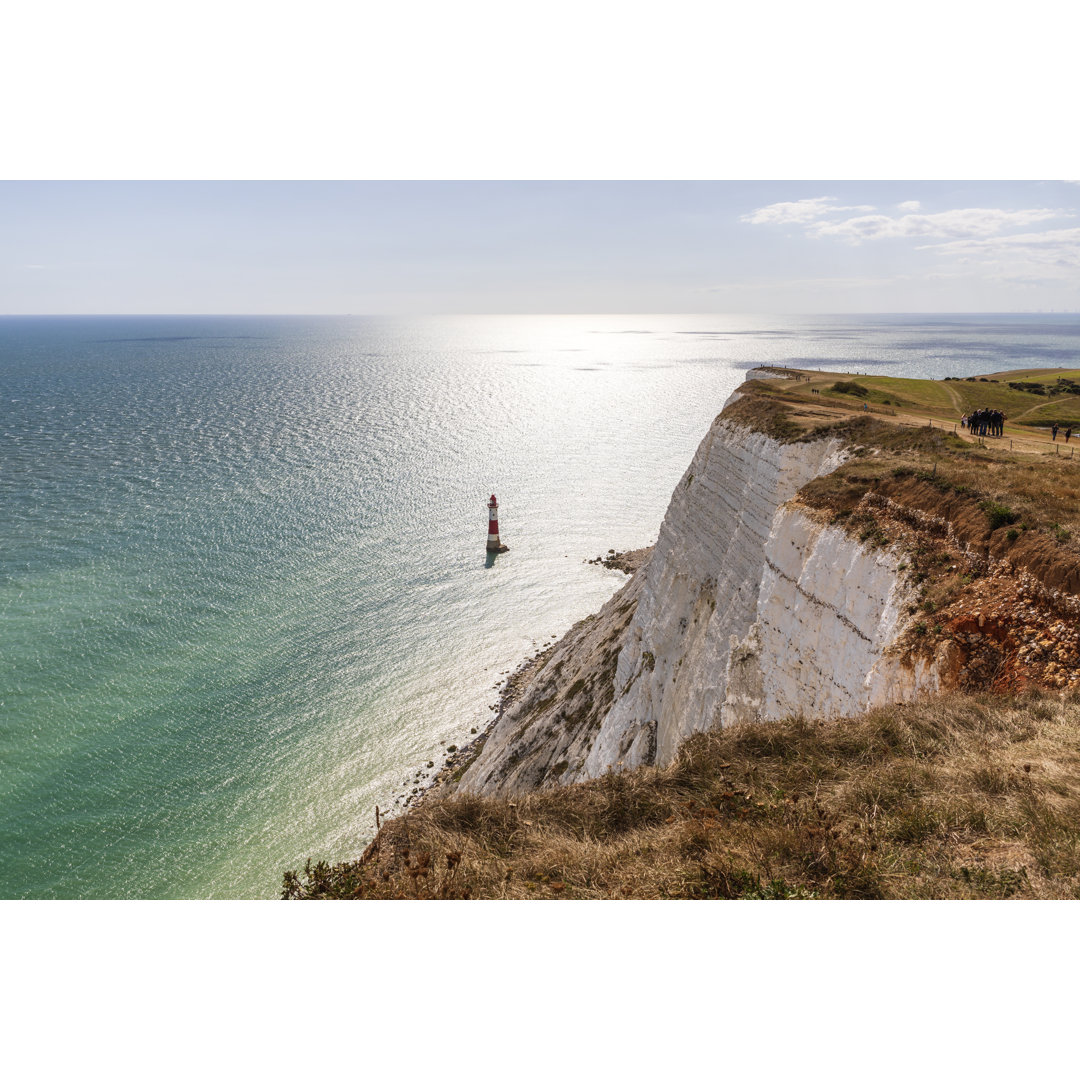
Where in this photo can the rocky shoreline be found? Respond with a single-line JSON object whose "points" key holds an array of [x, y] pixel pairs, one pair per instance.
{"points": [[445, 780], [446, 777], [629, 562]]}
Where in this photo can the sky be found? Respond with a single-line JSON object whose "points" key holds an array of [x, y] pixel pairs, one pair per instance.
{"points": [[429, 247]]}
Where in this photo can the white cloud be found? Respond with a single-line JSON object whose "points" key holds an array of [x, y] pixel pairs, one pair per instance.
{"points": [[820, 218], [1053, 255], [801, 212], [958, 224], [962, 249]]}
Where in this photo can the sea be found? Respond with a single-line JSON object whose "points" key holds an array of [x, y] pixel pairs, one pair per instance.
{"points": [[244, 594]]}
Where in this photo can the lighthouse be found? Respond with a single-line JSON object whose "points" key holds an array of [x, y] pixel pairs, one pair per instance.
{"points": [[493, 543]]}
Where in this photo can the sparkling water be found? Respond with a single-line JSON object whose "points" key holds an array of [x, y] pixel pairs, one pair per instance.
{"points": [[243, 586]]}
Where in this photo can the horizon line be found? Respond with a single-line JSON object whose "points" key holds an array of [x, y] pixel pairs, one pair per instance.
{"points": [[480, 314]]}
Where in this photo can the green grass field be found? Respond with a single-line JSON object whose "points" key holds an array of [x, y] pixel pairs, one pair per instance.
{"points": [[949, 399]]}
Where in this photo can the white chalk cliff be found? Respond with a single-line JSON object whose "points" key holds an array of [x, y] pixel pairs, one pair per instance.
{"points": [[751, 607]]}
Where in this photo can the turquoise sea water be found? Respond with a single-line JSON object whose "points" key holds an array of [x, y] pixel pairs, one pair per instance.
{"points": [[243, 590]]}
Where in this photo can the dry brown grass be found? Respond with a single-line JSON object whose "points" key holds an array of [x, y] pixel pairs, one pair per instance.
{"points": [[1041, 489], [961, 797]]}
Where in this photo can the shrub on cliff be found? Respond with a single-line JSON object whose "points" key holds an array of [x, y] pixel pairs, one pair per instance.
{"points": [[998, 514], [853, 388]]}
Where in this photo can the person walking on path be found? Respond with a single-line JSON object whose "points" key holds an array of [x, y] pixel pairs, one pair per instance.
{"points": [[1053, 433], [1068, 433]]}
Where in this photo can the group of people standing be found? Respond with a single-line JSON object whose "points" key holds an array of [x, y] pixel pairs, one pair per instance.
{"points": [[984, 422], [992, 422]]}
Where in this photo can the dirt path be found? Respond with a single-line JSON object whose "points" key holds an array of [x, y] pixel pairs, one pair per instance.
{"points": [[955, 399]]}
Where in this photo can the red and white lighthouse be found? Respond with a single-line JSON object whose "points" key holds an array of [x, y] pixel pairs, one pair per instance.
{"points": [[493, 543]]}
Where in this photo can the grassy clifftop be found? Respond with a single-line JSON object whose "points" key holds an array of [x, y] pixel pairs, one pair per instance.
{"points": [[1028, 476], [962, 797], [1032, 399]]}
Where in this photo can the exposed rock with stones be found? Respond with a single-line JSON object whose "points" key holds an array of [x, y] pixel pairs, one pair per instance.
{"points": [[541, 739]]}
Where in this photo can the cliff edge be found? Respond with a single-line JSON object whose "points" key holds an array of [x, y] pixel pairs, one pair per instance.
{"points": [[817, 558]]}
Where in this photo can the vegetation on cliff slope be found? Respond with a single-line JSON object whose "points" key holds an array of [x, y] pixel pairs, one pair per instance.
{"points": [[962, 797], [987, 536], [1031, 490]]}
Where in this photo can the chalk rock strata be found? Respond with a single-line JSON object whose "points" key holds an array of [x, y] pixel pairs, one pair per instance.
{"points": [[827, 611], [700, 591], [751, 607]]}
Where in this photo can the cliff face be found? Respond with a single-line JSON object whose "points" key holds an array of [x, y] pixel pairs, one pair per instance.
{"points": [[828, 608], [756, 604], [743, 611], [700, 592]]}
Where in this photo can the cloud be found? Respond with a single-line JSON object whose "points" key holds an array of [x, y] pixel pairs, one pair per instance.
{"points": [[1053, 255], [822, 218], [1005, 247], [957, 224], [801, 212]]}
